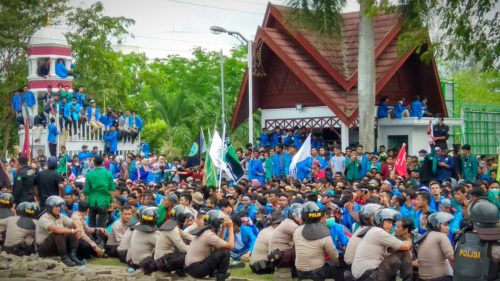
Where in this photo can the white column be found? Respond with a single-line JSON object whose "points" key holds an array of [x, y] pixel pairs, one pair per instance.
{"points": [[33, 67], [344, 134], [250, 92], [52, 67]]}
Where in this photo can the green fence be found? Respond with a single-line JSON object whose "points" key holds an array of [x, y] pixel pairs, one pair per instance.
{"points": [[481, 128]]}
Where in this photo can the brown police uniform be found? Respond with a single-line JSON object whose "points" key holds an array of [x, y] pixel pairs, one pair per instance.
{"points": [[310, 254], [432, 255], [51, 244], [142, 245], [169, 242], [261, 246], [201, 247], [282, 236], [114, 237], [350, 250], [18, 241], [122, 249]]}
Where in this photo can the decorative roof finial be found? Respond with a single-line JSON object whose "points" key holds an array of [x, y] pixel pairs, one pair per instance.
{"points": [[49, 20]]}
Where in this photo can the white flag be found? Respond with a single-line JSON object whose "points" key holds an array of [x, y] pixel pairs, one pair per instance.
{"points": [[303, 154], [216, 150]]}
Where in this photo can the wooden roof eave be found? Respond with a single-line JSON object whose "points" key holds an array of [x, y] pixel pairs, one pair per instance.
{"points": [[241, 97]]}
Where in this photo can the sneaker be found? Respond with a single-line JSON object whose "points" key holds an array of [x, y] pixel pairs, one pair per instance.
{"points": [[236, 264]]}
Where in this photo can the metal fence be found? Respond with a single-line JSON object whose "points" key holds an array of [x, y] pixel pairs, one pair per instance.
{"points": [[481, 128]]}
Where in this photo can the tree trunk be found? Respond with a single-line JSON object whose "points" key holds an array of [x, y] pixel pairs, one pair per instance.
{"points": [[366, 78]]}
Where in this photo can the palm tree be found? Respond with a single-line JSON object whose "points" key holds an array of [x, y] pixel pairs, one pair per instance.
{"points": [[324, 16]]}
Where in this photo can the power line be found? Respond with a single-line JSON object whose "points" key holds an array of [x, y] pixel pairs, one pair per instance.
{"points": [[216, 7]]}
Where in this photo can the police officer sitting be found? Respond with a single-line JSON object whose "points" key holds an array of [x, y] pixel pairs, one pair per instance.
{"points": [[434, 248], [20, 235], [170, 250], [312, 241], [281, 249], [258, 260], [143, 240], [123, 248], [367, 221], [371, 261], [477, 253], [6, 203], [208, 253], [56, 234]]}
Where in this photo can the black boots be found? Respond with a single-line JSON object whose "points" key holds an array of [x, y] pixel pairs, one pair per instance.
{"points": [[74, 258], [67, 261], [222, 277]]}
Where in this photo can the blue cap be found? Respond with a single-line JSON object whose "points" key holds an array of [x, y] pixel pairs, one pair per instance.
{"points": [[424, 189]]}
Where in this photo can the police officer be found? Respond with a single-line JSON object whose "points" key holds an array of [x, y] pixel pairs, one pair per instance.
{"points": [[23, 190], [371, 261], [56, 234], [143, 240], [312, 241], [170, 250], [48, 182], [118, 230], [124, 254], [366, 220], [281, 250], [20, 235], [477, 254], [208, 253], [434, 248], [258, 259], [6, 203]]}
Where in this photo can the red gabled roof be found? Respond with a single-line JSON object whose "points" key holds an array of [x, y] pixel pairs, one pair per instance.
{"points": [[328, 67]]}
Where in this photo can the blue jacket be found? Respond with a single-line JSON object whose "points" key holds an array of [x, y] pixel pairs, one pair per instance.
{"points": [[53, 133], [28, 98], [322, 162], [80, 98], [96, 113], [264, 139], [296, 138], [61, 70], [138, 122], [248, 237], [16, 103], [111, 139], [145, 149], [433, 205], [255, 168], [251, 209], [398, 110], [339, 237], [416, 109], [106, 121], [347, 219], [383, 110], [444, 173], [304, 169], [274, 139], [82, 156], [281, 170], [365, 165], [72, 113]]}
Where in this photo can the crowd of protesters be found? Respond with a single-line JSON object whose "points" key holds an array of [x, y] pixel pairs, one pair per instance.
{"points": [[66, 112], [155, 214]]}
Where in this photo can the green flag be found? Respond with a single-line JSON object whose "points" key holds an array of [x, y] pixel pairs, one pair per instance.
{"points": [[210, 177], [62, 167], [233, 166]]}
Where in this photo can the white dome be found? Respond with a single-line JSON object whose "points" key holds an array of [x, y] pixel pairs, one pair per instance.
{"points": [[48, 36]]}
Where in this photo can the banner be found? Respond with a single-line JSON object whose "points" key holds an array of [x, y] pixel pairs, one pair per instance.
{"points": [[400, 165], [210, 176], [232, 164], [216, 150], [197, 151], [303, 153]]}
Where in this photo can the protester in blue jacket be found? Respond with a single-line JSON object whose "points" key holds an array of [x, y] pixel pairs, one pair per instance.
{"points": [[383, 108], [399, 110], [145, 148], [281, 163], [416, 108], [52, 137], [61, 69], [244, 239], [246, 205], [111, 140], [264, 138], [255, 168]]}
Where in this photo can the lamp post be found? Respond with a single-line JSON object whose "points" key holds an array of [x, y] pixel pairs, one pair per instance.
{"points": [[248, 44]]}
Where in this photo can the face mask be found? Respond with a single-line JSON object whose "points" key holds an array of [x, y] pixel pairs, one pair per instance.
{"points": [[330, 222]]}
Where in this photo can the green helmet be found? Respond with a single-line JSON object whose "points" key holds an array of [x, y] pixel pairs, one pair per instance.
{"points": [[311, 213], [484, 214]]}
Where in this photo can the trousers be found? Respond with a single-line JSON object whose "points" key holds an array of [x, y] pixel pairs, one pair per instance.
{"points": [[98, 216], [389, 267], [322, 273], [57, 245], [171, 262], [217, 261]]}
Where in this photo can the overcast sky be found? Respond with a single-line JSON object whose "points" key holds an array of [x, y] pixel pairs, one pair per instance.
{"points": [[176, 26]]}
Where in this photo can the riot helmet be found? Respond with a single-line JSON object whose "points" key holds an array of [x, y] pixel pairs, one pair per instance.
{"points": [[28, 209], [435, 220], [6, 200], [147, 220], [214, 218], [180, 213], [368, 211], [295, 211], [311, 213], [54, 201], [484, 214], [386, 214]]}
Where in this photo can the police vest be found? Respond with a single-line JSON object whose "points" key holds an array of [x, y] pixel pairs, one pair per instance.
{"points": [[473, 259]]}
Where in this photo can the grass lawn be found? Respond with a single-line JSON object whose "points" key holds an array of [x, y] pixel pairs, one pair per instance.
{"points": [[239, 272]]}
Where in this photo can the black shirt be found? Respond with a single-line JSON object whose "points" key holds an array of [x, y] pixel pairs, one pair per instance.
{"points": [[23, 190], [440, 131], [47, 183]]}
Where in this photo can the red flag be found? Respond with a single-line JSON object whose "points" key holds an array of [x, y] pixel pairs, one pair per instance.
{"points": [[26, 145], [400, 165]]}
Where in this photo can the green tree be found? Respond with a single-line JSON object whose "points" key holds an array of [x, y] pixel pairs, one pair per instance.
{"points": [[18, 21], [468, 29]]}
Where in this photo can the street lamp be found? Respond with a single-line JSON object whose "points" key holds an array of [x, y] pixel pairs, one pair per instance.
{"points": [[248, 44]]}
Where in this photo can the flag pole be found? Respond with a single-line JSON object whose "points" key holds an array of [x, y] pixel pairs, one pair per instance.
{"points": [[223, 117]]}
